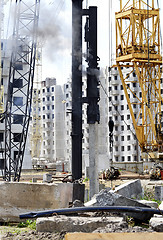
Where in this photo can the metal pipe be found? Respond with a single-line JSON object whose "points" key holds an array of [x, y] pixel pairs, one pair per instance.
{"points": [[114, 209], [76, 89]]}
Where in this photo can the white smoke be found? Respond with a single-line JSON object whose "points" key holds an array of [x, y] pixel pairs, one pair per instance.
{"points": [[55, 29]]}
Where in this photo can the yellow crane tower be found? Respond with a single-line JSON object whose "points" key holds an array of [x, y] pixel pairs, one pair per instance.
{"points": [[138, 49], [36, 129]]}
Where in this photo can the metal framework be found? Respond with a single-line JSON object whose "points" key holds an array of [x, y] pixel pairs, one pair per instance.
{"points": [[138, 49], [20, 86]]}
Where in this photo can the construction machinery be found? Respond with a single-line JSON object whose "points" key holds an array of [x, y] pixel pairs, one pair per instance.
{"points": [[20, 86], [138, 50], [111, 173], [156, 172]]}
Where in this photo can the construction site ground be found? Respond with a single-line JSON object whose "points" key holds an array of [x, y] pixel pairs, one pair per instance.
{"points": [[14, 232], [27, 175]]}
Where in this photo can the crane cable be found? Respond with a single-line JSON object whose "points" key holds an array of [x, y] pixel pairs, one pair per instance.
{"points": [[7, 32], [158, 5], [150, 84], [86, 4], [59, 8], [110, 65], [110, 43], [148, 71], [116, 108], [121, 115]]}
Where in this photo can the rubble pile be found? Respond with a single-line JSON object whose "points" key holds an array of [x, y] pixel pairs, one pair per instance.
{"points": [[107, 222], [127, 195]]}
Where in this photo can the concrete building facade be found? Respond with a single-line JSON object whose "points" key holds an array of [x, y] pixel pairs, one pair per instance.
{"points": [[113, 105], [55, 114], [52, 122], [103, 133], [125, 145]]}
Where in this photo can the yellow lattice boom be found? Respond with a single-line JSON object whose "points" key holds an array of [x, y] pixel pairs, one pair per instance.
{"points": [[36, 129], [36, 133], [138, 49]]}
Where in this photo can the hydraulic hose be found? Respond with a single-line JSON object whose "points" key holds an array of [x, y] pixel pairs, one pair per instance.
{"points": [[67, 211]]}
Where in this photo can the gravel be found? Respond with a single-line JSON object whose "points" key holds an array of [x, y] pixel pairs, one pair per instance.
{"points": [[33, 235], [122, 227]]}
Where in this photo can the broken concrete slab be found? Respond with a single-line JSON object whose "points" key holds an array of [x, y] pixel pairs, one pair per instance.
{"points": [[77, 203], [131, 189], [149, 203], [159, 193], [47, 178], [18, 198], [161, 206], [74, 224], [108, 198], [114, 236], [156, 223]]}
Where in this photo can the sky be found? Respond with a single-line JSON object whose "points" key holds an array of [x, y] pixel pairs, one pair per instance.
{"points": [[57, 51], [55, 34], [55, 31]]}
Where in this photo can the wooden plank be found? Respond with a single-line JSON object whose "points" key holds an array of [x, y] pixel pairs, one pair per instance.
{"points": [[114, 236]]}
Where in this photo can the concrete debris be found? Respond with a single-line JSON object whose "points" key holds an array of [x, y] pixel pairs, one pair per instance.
{"points": [[159, 193], [161, 206], [111, 228], [151, 204], [47, 178], [108, 198], [122, 227], [131, 189], [157, 224], [31, 235], [17, 198], [77, 203], [74, 224], [34, 180]]}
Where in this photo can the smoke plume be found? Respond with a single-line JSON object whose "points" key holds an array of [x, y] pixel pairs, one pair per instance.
{"points": [[55, 30]]}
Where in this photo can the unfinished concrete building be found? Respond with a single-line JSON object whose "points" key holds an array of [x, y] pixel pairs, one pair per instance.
{"points": [[52, 124], [126, 147], [103, 132]]}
